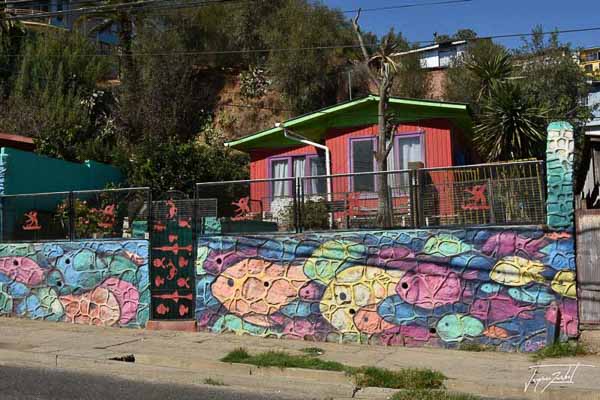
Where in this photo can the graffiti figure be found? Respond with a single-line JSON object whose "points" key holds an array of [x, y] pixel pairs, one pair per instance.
{"points": [[172, 209], [172, 271], [159, 227], [31, 222], [478, 201], [185, 223], [243, 209], [107, 216], [183, 282], [175, 249]]}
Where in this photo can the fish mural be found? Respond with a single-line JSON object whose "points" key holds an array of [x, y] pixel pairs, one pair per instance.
{"points": [[93, 282], [497, 287]]}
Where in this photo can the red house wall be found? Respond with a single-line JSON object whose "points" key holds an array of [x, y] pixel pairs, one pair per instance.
{"points": [[438, 142]]}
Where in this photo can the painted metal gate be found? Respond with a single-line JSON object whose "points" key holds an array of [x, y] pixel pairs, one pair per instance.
{"points": [[588, 266], [172, 255]]}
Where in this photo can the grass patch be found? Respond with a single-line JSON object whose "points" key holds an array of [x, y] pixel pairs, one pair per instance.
{"points": [[214, 382], [475, 347], [313, 351], [558, 350], [408, 378], [282, 360], [432, 395]]}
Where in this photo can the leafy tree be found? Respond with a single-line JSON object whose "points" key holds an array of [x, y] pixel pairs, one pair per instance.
{"points": [[50, 97], [411, 80], [511, 124], [470, 76], [11, 39], [308, 79], [552, 78], [465, 34]]}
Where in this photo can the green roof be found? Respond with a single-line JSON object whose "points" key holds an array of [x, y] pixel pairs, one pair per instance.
{"points": [[358, 112]]}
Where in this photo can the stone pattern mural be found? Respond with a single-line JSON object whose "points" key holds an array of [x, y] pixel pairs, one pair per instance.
{"points": [[90, 282], [509, 288], [559, 165]]}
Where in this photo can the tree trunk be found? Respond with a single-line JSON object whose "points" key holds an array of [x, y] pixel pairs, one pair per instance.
{"points": [[384, 209]]}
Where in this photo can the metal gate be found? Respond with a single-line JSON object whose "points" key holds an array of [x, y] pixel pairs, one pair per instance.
{"points": [[172, 255], [588, 266]]}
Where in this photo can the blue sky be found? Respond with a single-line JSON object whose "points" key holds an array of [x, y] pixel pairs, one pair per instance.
{"points": [[486, 17]]}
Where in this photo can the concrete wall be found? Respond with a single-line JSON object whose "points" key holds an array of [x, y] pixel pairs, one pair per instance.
{"points": [[88, 282], [500, 287]]}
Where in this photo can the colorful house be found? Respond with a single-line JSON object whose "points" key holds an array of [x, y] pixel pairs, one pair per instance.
{"points": [[341, 140]]}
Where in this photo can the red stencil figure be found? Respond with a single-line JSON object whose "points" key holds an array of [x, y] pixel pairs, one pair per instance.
{"points": [[172, 271], [183, 310], [175, 249], [175, 296], [173, 238], [243, 209], [172, 209], [183, 282], [159, 227], [478, 201], [159, 263], [162, 309], [31, 222], [183, 262], [107, 216], [158, 281], [185, 223]]}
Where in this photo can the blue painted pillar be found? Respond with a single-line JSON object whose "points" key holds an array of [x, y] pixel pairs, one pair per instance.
{"points": [[559, 174]]}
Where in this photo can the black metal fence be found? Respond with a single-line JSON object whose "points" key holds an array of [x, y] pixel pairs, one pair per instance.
{"points": [[88, 214], [486, 194]]}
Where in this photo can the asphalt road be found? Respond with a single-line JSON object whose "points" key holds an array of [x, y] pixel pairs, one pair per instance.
{"points": [[18, 383]]}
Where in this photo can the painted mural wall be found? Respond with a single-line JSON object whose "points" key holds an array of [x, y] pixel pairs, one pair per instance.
{"points": [[498, 287], [89, 282]]}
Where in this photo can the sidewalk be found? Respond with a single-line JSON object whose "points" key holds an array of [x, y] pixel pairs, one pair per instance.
{"points": [[189, 358]]}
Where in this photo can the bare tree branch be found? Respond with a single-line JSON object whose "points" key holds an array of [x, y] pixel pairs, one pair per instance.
{"points": [[363, 48]]}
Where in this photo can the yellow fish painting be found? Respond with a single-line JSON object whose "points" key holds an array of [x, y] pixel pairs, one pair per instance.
{"points": [[352, 295], [564, 282], [517, 271]]}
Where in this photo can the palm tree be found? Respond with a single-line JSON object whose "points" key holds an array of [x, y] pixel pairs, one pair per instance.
{"points": [[511, 125], [489, 67]]}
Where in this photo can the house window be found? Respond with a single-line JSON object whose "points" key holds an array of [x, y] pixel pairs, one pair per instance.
{"points": [[298, 167], [407, 149], [363, 161]]}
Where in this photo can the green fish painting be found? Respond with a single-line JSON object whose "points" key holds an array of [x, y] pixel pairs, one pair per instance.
{"points": [[457, 327]]}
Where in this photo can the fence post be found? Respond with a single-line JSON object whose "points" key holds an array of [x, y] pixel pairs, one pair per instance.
{"points": [[295, 202], [491, 205], [71, 216], [149, 223]]}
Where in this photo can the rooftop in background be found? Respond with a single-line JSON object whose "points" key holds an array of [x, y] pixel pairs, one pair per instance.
{"points": [[16, 142], [439, 55]]}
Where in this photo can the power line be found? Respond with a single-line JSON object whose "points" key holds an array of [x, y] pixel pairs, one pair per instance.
{"points": [[330, 47], [143, 5], [436, 3]]}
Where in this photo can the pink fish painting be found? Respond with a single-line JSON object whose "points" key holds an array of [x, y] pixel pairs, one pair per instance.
{"points": [[430, 286], [127, 296], [407, 335], [256, 289], [22, 269], [394, 258], [499, 308], [510, 243], [568, 316]]}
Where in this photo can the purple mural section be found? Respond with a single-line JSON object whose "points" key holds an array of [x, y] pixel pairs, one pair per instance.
{"points": [[101, 283], [511, 288]]}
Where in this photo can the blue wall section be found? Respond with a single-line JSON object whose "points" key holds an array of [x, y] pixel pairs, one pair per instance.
{"points": [[89, 282]]}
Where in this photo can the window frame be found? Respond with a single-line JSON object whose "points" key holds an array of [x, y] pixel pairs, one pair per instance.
{"points": [[395, 153], [290, 162]]}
